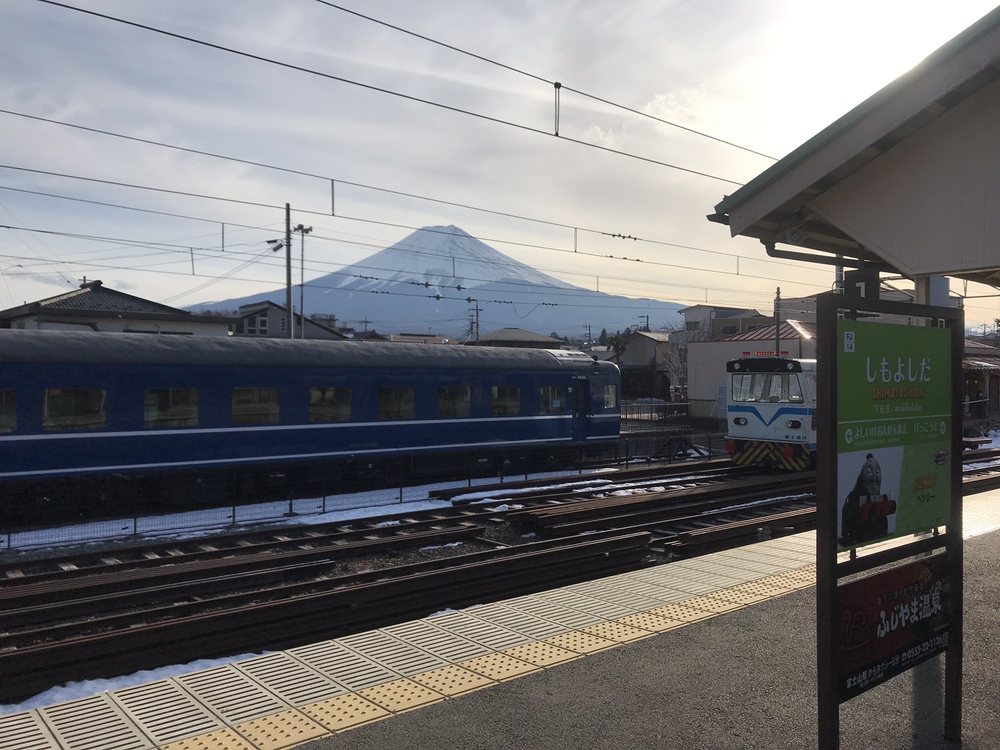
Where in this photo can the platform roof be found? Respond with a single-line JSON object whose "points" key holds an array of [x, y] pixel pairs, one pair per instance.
{"points": [[909, 179]]}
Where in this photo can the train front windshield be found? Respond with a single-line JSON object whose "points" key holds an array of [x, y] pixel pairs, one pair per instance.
{"points": [[767, 387]]}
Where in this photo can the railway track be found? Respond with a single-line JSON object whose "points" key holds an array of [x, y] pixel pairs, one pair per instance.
{"points": [[64, 619]]}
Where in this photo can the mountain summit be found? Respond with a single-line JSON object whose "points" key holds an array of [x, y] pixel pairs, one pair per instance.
{"points": [[436, 277]]}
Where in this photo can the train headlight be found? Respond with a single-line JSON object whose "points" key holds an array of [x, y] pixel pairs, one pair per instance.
{"points": [[793, 424], [740, 420]]}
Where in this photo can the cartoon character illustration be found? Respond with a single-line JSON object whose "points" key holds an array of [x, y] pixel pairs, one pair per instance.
{"points": [[866, 511]]}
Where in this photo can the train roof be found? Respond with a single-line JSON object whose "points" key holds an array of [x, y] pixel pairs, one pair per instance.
{"points": [[771, 364], [79, 347]]}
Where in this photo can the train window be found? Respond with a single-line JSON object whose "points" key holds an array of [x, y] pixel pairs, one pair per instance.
{"points": [[552, 399], [329, 404], [8, 411], [794, 389], [505, 401], [255, 406], [74, 409], [750, 386], [454, 401], [395, 403], [610, 397], [171, 407]]}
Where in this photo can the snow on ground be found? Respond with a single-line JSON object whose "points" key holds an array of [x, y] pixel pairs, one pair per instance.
{"points": [[72, 691]]}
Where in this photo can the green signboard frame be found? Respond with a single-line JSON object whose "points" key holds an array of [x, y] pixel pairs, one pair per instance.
{"points": [[889, 415]]}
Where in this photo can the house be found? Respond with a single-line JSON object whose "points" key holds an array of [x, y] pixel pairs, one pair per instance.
{"points": [[95, 307], [703, 322], [270, 320], [646, 361]]}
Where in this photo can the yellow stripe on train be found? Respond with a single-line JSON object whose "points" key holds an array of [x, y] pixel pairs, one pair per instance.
{"points": [[788, 456]]}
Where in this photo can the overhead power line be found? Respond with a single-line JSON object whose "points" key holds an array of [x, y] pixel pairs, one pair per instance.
{"points": [[407, 247], [542, 79], [382, 90], [390, 191], [258, 204]]}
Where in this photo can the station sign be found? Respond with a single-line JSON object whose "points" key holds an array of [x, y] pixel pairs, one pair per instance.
{"points": [[894, 430]]}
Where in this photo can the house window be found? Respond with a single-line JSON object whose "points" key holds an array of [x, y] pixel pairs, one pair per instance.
{"points": [[395, 403], [262, 324], [74, 409], [552, 399], [282, 324], [329, 404], [454, 402], [255, 406], [610, 397], [729, 328], [171, 407], [505, 401], [8, 411]]}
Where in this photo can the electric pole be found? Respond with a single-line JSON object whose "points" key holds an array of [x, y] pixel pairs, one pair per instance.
{"points": [[288, 270]]}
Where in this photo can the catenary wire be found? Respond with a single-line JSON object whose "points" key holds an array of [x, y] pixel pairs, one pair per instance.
{"points": [[390, 92]]}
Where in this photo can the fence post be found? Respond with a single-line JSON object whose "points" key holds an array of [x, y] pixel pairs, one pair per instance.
{"points": [[232, 515], [135, 525], [324, 503]]}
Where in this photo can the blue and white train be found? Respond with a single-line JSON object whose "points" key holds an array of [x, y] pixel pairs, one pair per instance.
{"points": [[771, 410], [98, 423]]}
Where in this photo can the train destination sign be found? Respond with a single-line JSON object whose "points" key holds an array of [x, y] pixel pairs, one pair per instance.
{"points": [[894, 430]]}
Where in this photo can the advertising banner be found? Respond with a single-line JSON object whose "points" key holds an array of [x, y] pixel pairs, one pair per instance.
{"points": [[894, 430], [890, 622]]}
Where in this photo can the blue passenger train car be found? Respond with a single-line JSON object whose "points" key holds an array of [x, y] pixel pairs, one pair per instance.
{"points": [[112, 423]]}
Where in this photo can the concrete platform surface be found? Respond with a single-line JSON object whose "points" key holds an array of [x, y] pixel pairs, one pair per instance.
{"points": [[744, 679]]}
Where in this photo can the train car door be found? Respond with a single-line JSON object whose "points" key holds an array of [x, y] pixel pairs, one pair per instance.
{"points": [[582, 408]]}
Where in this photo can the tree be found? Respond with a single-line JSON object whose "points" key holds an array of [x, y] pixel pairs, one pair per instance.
{"points": [[603, 338]]}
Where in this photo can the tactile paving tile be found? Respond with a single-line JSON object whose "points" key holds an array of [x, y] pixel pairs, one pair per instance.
{"points": [[451, 680], [165, 712], [713, 605], [651, 622], [25, 731], [222, 739], [488, 634], [580, 642], [741, 597], [344, 712], [518, 621], [434, 640], [280, 730], [339, 663], [680, 612], [290, 679], [231, 694], [400, 695], [499, 667], [578, 600], [633, 601], [541, 654], [553, 612], [92, 724], [397, 655], [617, 631]]}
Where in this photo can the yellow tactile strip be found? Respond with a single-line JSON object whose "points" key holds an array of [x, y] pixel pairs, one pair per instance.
{"points": [[452, 680], [223, 739], [281, 730], [400, 695], [344, 712]]}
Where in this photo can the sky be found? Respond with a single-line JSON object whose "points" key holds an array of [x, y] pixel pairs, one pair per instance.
{"points": [[765, 76]]}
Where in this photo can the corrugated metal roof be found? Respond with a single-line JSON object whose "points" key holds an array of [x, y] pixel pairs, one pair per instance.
{"points": [[765, 333]]}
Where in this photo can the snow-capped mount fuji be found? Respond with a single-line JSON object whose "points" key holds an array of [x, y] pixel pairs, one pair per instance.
{"points": [[444, 257], [432, 279]]}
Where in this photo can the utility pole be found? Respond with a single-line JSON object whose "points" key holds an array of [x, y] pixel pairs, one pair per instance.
{"points": [[647, 321], [302, 277], [777, 323], [589, 338], [288, 270]]}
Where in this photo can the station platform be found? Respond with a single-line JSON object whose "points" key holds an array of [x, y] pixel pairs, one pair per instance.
{"points": [[713, 652]]}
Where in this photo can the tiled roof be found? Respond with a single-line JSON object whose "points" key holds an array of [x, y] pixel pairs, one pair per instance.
{"points": [[517, 334]]}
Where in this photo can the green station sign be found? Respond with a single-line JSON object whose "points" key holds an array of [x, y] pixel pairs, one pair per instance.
{"points": [[894, 428]]}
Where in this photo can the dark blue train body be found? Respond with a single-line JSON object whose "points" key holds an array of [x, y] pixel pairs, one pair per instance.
{"points": [[112, 423]]}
